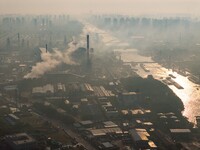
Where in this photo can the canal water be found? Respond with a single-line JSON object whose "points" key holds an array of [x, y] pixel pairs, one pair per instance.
{"points": [[190, 95]]}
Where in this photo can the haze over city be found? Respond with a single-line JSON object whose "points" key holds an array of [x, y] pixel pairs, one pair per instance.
{"points": [[99, 74], [141, 7]]}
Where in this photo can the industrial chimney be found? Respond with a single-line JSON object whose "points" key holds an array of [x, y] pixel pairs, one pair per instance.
{"points": [[88, 48], [46, 48]]}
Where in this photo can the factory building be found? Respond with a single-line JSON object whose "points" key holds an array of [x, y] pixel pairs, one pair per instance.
{"points": [[105, 131], [46, 90], [11, 90], [102, 92], [107, 146], [12, 119], [87, 88], [90, 111], [109, 110], [60, 89], [141, 140], [129, 98], [180, 134], [21, 141]]}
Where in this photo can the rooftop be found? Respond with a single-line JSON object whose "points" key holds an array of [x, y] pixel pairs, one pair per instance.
{"points": [[43, 89], [130, 93], [180, 130], [86, 122], [19, 139], [84, 100], [10, 87], [152, 144], [13, 116], [107, 144], [104, 131], [109, 124], [138, 136]]}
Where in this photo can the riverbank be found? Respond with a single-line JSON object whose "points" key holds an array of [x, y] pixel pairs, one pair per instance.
{"points": [[190, 96], [157, 97]]}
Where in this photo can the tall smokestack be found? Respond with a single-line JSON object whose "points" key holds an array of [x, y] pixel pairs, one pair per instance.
{"points": [[46, 48], [88, 42], [18, 37], [88, 48]]}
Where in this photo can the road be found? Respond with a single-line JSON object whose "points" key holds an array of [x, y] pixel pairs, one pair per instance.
{"points": [[68, 130]]}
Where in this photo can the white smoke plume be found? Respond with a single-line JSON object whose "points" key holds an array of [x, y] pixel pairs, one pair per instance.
{"points": [[50, 61]]}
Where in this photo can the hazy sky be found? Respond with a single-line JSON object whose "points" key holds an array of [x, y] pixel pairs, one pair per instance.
{"points": [[105, 6]]}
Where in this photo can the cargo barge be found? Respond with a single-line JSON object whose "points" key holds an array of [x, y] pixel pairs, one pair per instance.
{"points": [[170, 81], [194, 79], [171, 75], [143, 67]]}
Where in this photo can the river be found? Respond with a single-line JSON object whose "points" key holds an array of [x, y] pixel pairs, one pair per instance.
{"points": [[190, 95]]}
